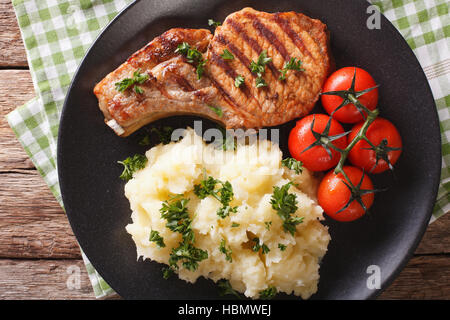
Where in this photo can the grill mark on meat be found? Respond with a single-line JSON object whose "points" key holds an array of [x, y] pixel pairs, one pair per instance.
{"points": [[152, 79], [231, 102], [217, 60], [235, 51], [163, 47], [179, 79], [182, 82], [269, 36], [237, 108], [295, 37], [244, 61], [252, 43]]}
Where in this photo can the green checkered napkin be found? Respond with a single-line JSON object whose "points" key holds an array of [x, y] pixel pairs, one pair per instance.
{"points": [[57, 34]]}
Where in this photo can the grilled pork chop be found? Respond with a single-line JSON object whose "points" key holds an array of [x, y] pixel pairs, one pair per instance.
{"points": [[173, 86]]}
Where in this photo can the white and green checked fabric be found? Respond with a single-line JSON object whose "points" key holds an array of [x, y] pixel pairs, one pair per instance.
{"points": [[425, 24], [57, 34]]}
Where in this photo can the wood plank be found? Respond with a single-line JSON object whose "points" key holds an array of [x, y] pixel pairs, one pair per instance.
{"points": [[12, 155], [16, 88], [436, 239], [44, 279], [12, 51], [32, 224], [425, 277]]}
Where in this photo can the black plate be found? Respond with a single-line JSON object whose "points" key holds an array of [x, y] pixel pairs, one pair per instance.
{"points": [[88, 150]]}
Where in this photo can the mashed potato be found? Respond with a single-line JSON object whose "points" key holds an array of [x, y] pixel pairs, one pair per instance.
{"points": [[253, 170]]}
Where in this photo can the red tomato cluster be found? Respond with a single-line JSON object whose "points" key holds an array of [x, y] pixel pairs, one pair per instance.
{"points": [[318, 141]]}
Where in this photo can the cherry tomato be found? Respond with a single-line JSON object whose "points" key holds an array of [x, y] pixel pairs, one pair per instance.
{"points": [[342, 80], [316, 158], [333, 195], [387, 141]]}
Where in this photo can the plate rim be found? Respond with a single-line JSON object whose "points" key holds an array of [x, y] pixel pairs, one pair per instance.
{"points": [[386, 282]]}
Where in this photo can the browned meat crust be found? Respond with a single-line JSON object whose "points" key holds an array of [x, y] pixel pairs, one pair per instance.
{"points": [[173, 87]]}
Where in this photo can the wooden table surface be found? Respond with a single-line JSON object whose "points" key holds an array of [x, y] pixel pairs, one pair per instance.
{"points": [[38, 251]]}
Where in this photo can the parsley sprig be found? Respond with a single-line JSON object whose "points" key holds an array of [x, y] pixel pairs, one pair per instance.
{"points": [[216, 110], [164, 135], [225, 288], [259, 68], [268, 293], [188, 255], [213, 23], [156, 238], [227, 55], [224, 194], [131, 165], [239, 81], [292, 64], [264, 248], [175, 212], [193, 56], [138, 78], [226, 251], [285, 204], [293, 164]]}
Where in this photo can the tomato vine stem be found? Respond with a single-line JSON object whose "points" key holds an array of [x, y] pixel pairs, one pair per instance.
{"points": [[371, 116]]}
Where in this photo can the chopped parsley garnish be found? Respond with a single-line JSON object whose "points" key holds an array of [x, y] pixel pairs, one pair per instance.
{"points": [[138, 78], [205, 188], [239, 81], [164, 133], [156, 238], [131, 165], [213, 23], [227, 55], [167, 272], [290, 65], [200, 68], [268, 293], [260, 82], [268, 224], [225, 211], [264, 249], [226, 251], [217, 110], [293, 164], [224, 195], [226, 288], [285, 204], [193, 56], [188, 255], [175, 212], [183, 48], [145, 140], [235, 225], [282, 247], [259, 68]]}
